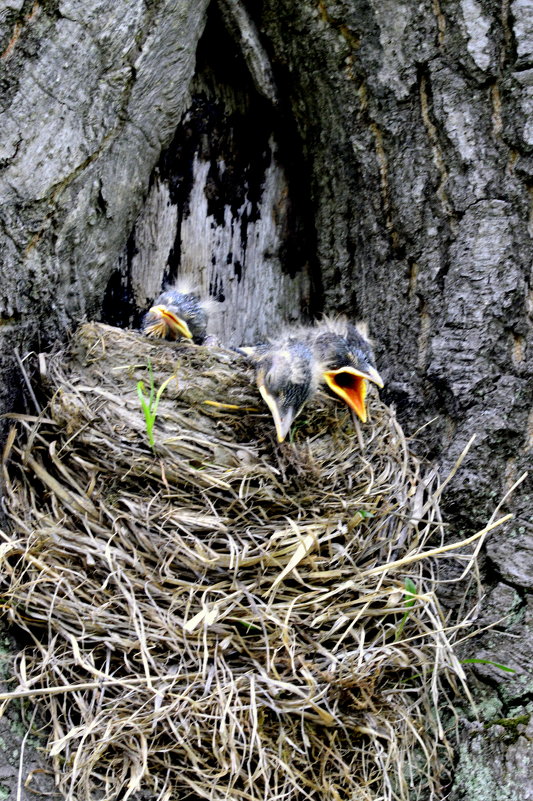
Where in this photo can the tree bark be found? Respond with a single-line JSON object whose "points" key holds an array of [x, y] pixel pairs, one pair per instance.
{"points": [[363, 157], [225, 210], [91, 92]]}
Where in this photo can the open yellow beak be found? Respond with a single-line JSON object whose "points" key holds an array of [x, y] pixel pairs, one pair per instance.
{"points": [[176, 325], [351, 386]]}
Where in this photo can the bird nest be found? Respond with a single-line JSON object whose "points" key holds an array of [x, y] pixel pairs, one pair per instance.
{"points": [[219, 616]]}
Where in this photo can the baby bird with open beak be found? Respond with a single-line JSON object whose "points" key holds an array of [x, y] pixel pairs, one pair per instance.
{"points": [[177, 313], [347, 361], [288, 371]]}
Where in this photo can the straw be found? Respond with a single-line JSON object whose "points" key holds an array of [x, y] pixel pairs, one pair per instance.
{"points": [[216, 617]]}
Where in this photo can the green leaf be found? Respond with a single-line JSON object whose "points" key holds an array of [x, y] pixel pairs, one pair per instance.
{"points": [[487, 662], [159, 393], [410, 598], [247, 628], [144, 405], [410, 589], [152, 385], [149, 406]]}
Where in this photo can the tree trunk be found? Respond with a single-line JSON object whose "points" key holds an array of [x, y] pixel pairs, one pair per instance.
{"points": [[370, 158], [91, 92]]}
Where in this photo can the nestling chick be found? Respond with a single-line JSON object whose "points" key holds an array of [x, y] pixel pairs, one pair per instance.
{"points": [[347, 361], [287, 376], [175, 314]]}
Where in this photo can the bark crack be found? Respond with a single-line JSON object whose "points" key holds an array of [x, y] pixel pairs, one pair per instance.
{"points": [[47, 92], [18, 29], [438, 157], [497, 121], [353, 41], [15, 36], [441, 23], [530, 218], [508, 50], [59, 188], [383, 165]]}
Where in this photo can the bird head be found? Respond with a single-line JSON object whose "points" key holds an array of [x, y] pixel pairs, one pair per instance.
{"points": [[347, 362], [178, 313], [163, 322], [286, 378]]}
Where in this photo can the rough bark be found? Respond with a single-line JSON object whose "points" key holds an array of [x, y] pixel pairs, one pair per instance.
{"points": [[361, 156], [90, 94], [225, 210]]}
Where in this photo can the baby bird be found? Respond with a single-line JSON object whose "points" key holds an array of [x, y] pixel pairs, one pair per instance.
{"points": [[175, 314], [286, 376], [289, 371], [347, 361]]}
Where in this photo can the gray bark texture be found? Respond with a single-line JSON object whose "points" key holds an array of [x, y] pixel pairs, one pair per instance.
{"points": [[90, 93], [367, 157]]}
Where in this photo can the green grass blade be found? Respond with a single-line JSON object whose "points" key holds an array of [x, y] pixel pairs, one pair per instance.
{"points": [[150, 405], [487, 662], [410, 598], [159, 393], [149, 416], [152, 384], [140, 392]]}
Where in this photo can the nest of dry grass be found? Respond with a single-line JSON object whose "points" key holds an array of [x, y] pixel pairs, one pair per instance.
{"points": [[222, 617]]}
